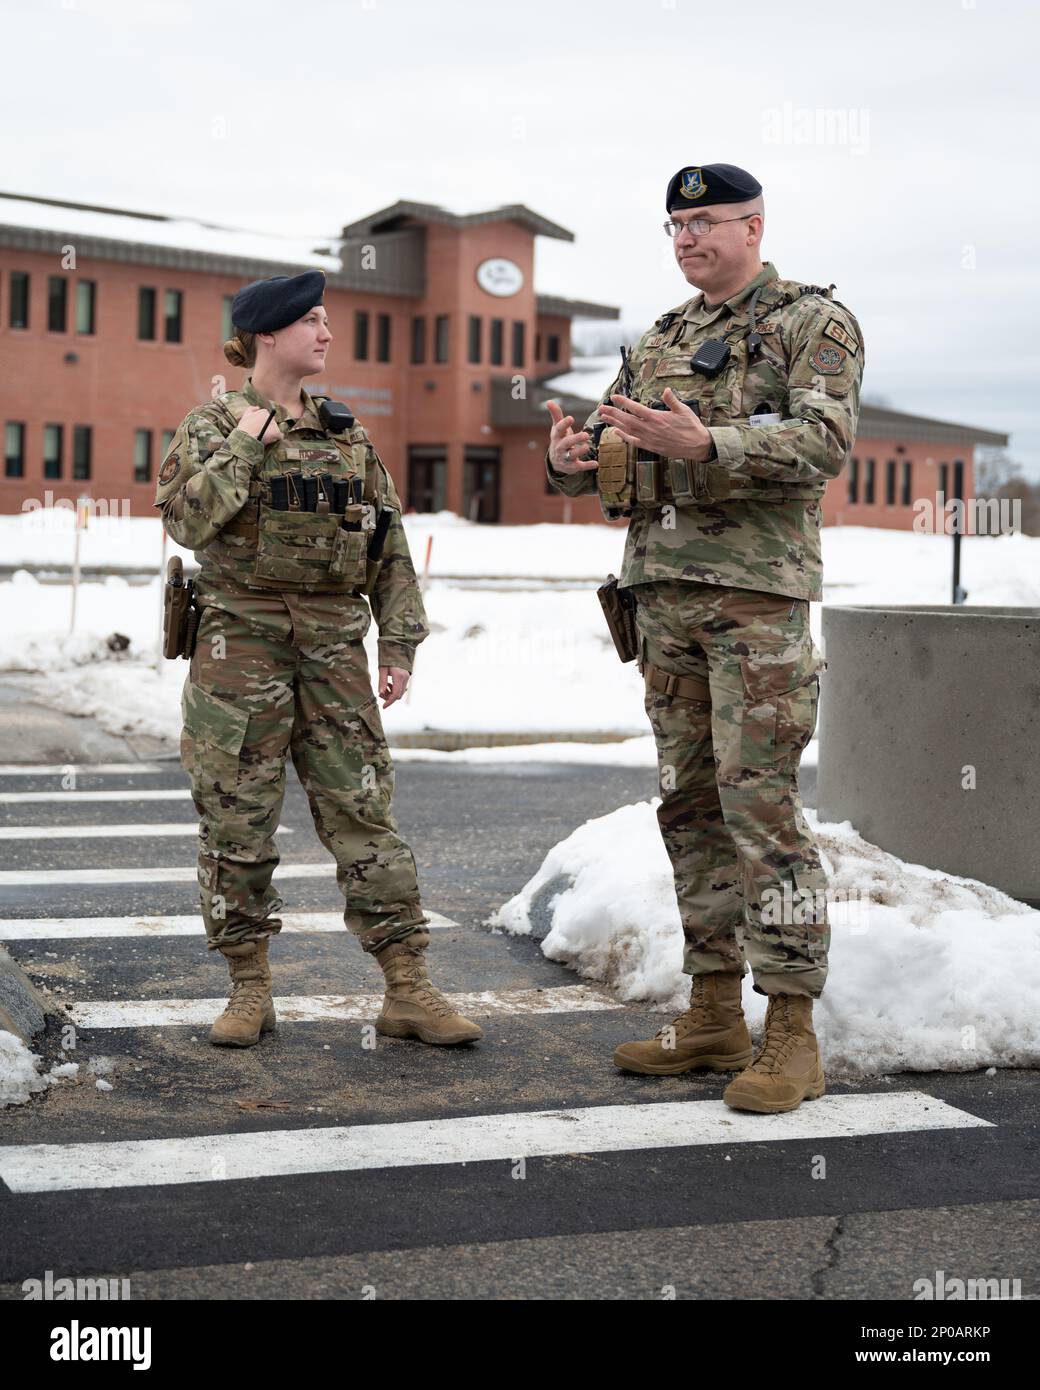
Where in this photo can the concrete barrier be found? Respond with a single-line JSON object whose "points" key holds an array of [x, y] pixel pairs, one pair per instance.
{"points": [[929, 733]]}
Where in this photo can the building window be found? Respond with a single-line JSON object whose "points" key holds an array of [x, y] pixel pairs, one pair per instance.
{"points": [[538, 347], [173, 312], [944, 478], [142, 456], [497, 337], [518, 344], [868, 481], [227, 326], [440, 339], [480, 484], [554, 347], [81, 451], [165, 440], [475, 338], [890, 483], [418, 340], [52, 450], [57, 303], [383, 338], [146, 314], [86, 293], [907, 482], [361, 336], [854, 480], [14, 450], [19, 309], [427, 477]]}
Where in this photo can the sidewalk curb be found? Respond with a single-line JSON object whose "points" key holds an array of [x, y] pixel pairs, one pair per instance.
{"points": [[23, 1009]]}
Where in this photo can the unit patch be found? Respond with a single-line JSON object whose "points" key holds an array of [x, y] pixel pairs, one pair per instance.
{"points": [[829, 360], [169, 468], [693, 185], [841, 334]]}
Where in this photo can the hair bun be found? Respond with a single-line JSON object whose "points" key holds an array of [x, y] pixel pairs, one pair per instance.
{"points": [[235, 352]]}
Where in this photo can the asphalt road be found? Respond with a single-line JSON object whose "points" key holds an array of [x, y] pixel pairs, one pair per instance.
{"points": [[747, 1219]]}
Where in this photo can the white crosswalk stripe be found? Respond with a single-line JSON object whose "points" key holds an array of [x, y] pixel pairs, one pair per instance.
{"points": [[22, 878], [56, 928], [319, 1008], [105, 832], [83, 769], [32, 798], [466, 1139]]}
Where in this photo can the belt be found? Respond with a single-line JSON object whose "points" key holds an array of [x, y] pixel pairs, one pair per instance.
{"points": [[665, 683]]}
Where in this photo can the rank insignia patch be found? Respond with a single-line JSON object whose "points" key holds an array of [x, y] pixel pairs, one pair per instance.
{"points": [[840, 334], [693, 185], [829, 360], [169, 468]]}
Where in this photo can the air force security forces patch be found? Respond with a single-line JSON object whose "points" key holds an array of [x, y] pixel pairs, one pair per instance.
{"points": [[840, 334], [829, 360], [170, 466]]}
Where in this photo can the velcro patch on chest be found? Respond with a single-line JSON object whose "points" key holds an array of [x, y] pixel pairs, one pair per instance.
{"points": [[315, 454], [841, 334]]}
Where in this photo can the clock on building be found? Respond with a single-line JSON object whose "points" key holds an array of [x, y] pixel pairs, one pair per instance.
{"points": [[500, 277]]}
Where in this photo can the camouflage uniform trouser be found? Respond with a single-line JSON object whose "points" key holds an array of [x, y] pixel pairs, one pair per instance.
{"points": [[748, 876], [255, 691]]}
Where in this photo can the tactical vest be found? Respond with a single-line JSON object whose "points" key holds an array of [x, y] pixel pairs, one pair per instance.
{"points": [[722, 400], [265, 547]]}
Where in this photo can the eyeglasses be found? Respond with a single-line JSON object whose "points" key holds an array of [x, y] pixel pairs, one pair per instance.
{"points": [[700, 226]]}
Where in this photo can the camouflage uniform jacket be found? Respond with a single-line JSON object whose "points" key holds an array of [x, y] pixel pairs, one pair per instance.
{"points": [[754, 519], [212, 475]]}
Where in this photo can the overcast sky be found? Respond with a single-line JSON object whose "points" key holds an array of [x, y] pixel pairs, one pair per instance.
{"points": [[896, 142]]}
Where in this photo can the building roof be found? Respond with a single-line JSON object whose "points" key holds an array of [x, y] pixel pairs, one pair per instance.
{"points": [[397, 214], [183, 243], [154, 238], [553, 305], [878, 422], [580, 390]]}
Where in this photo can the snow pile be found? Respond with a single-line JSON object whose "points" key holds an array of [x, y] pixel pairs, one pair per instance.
{"points": [[927, 971], [496, 660], [20, 1075], [518, 640], [37, 625], [629, 752]]}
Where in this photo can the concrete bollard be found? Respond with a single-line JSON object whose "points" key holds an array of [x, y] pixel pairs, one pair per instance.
{"points": [[929, 733]]}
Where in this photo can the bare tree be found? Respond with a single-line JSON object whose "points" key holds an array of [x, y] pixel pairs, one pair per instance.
{"points": [[993, 468]]}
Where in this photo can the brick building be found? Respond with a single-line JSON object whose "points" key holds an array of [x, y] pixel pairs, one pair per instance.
{"points": [[111, 325]]}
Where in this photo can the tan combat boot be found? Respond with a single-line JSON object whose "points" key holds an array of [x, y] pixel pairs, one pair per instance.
{"points": [[711, 1033], [250, 1010], [787, 1067], [412, 1007]]}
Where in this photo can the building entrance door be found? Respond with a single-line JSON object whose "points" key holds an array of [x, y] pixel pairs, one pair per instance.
{"points": [[427, 477], [480, 486]]}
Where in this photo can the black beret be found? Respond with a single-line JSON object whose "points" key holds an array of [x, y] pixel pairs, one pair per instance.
{"points": [[710, 183], [267, 305]]}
